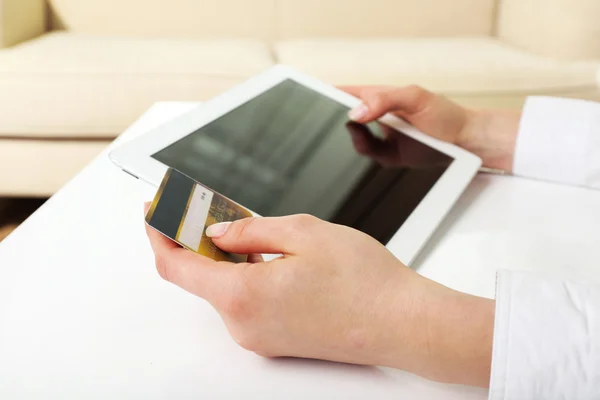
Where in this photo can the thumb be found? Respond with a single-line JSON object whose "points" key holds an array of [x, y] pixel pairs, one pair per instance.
{"points": [[276, 235], [376, 102]]}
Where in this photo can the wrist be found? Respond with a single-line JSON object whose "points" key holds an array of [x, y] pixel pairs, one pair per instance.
{"points": [[461, 339], [444, 336], [433, 331], [492, 135]]}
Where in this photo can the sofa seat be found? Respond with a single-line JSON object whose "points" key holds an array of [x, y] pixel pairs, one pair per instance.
{"points": [[64, 85], [39, 167], [469, 69]]}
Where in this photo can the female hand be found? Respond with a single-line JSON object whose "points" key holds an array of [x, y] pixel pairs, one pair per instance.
{"points": [[335, 294], [491, 134]]}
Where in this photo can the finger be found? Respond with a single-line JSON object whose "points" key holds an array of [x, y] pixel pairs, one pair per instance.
{"points": [[196, 274], [192, 272], [409, 100], [285, 235]]}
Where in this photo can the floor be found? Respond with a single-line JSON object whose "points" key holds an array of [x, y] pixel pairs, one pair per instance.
{"points": [[13, 211]]}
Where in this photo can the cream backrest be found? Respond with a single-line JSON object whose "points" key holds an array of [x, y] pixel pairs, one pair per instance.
{"points": [[167, 18], [276, 19], [556, 28], [384, 18]]}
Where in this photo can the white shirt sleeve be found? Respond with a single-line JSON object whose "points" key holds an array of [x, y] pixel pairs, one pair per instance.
{"points": [[546, 339], [547, 330], [559, 140]]}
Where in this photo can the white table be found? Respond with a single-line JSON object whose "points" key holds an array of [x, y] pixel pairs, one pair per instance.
{"points": [[83, 313]]}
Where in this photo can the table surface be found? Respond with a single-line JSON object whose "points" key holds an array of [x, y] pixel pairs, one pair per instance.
{"points": [[83, 313]]}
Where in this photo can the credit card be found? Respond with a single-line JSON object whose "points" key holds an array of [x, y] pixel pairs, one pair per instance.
{"points": [[182, 210]]}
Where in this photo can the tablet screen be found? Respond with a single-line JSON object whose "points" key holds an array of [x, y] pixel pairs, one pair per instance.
{"points": [[292, 150]]}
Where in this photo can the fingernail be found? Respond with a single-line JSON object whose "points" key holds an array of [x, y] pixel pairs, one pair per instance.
{"points": [[217, 230], [358, 112]]}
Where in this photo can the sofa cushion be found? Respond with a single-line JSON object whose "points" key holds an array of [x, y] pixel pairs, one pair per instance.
{"points": [[67, 85], [476, 65]]}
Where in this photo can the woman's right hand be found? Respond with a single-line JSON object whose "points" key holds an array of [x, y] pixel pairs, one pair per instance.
{"points": [[491, 134], [335, 294]]}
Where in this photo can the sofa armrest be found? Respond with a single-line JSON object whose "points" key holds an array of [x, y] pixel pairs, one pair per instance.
{"points": [[567, 29], [21, 20]]}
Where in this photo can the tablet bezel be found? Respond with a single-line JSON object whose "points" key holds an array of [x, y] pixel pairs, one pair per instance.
{"points": [[135, 157]]}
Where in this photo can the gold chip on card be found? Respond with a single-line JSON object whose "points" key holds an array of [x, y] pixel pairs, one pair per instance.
{"points": [[182, 210]]}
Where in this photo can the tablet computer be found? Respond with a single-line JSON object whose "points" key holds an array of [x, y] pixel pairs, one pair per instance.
{"points": [[281, 143]]}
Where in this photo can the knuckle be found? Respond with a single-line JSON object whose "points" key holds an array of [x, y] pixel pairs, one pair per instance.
{"points": [[416, 89], [378, 101], [265, 353], [249, 340], [301, 228], [244, 226], [380, 98], [162, 267], [417, 93], [303, 222]]}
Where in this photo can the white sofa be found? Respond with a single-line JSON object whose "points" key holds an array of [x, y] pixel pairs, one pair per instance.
{"points": [[75, 73]]}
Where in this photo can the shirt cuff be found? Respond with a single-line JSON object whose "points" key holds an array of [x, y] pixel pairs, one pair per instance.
{"points": [[546, 339], [559, 141]]}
